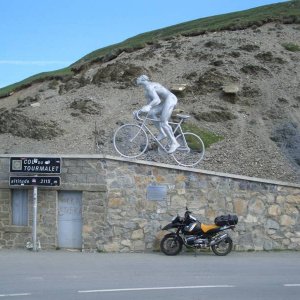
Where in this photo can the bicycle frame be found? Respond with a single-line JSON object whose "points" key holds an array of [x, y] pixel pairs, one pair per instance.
{"points": [[146, 128], [132, 140]]}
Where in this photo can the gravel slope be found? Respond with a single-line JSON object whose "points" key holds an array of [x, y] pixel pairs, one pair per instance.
{"points": [[259, 123]]}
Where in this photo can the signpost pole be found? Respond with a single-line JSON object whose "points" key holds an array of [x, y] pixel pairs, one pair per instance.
{"points": [[34, 222], [36, 165]]}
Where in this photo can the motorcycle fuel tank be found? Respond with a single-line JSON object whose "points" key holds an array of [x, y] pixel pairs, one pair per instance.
{"points": [[193, 228]]}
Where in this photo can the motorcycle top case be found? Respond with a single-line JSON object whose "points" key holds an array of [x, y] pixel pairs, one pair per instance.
{"points": [[226, 220]]}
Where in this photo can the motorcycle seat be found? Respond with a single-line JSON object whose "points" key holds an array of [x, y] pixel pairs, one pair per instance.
{"points": [[207, 227]]}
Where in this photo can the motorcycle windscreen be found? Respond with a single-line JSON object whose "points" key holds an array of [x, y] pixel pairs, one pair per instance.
{"points": [[170, 226]]}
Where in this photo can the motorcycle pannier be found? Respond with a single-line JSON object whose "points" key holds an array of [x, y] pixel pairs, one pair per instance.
{"points": [[226, 220]]}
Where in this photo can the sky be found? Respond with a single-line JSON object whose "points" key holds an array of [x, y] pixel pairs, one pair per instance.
{"points": [[44, 35]]}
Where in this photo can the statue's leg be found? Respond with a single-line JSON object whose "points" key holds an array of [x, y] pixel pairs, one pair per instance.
{"points": [[155, 114], [165, 116]]}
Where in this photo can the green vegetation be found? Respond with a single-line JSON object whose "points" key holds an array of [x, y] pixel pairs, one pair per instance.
{"points": [[286, 12], [58, 74], [100, 250], [291, 47], [207, 137], [281, 12]]}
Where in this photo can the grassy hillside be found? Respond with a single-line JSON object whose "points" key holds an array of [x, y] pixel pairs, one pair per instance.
{"points": [[287, 12]]}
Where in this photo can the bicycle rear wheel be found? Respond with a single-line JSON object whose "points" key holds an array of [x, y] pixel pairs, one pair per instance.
{"points": [[191, 150], [130, 140]]}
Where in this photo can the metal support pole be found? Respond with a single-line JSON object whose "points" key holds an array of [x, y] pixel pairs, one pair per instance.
{"points": [[34, 222]]}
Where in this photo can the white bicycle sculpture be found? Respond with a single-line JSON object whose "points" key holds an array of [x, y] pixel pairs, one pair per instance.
{"points": [[131, 141]]}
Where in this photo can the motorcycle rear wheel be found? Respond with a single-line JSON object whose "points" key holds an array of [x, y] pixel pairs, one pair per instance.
{"points": [[222, 248], [171, 245]]}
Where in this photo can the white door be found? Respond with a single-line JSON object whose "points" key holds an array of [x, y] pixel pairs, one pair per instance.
{"points": [[70, 219]]}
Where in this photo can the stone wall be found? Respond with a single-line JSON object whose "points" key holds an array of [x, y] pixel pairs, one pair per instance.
{"points": [[118, 216]]}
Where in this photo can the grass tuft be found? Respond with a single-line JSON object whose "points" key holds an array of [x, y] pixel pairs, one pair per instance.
{"points": [[207, 137], [291, 47]]}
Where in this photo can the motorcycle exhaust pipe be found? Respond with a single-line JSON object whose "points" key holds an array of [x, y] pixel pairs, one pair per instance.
{"points": [[219, 239]]}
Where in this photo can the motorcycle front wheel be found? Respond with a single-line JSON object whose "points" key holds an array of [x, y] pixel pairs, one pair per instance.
{"points": [[171, 245], [222, 248]]}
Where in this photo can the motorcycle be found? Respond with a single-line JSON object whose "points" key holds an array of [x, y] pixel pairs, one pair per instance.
{"points": [[193, 234]]}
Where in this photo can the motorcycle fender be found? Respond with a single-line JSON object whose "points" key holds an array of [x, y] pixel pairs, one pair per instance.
{"points": [[175, 235]]}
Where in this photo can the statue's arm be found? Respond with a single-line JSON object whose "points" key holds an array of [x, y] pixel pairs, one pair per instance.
{"points": [[152, 100]]}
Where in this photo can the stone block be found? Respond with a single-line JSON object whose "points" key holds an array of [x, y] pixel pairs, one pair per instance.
{"points": [[291, 209], [178, 202], [141, 222], [126, 243], [139, 245], [250, 219], [257, 206], [280, 199], [180, 178], [293, 199], [69, 163], [274, 210], [286, 220], [181, 191], [240, 206], [4, 194], [115, 202], [150, 206], [211, 214], [271, 224], [137, 234], [87, 229], [295, 240], [111, 247], [246, 242]]}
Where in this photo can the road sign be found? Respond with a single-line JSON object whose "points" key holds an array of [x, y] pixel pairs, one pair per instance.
{"points": [[34, 181], [41, 165]]}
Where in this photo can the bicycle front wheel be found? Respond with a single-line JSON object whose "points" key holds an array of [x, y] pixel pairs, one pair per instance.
{"points": [[130, 140], [191, 150]]}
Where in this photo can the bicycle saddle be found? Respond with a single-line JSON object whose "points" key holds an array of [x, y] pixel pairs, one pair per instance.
{"points": [[182, 116]]}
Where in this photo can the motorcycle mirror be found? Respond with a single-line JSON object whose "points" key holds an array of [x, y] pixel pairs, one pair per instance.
{"points": [[187, 210]]}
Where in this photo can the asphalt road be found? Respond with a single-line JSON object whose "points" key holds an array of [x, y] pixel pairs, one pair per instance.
{"points": [[74, 275]]}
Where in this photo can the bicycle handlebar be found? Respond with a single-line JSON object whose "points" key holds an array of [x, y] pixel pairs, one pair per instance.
{"points": [[137, 116]]}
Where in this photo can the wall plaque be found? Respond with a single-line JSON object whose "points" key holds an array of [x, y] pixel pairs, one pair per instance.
{"points": [[157, 192]]}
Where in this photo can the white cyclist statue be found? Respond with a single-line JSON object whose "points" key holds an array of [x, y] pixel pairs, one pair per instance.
{"points": [[160, 104]]}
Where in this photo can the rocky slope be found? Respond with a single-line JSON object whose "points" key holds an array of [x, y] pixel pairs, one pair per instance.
{"points": [[242, 85]]}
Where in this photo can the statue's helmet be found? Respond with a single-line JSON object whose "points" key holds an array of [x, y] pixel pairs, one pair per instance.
{"points": [[142, 79]]}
